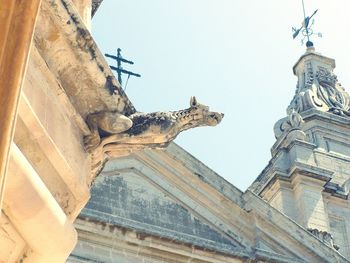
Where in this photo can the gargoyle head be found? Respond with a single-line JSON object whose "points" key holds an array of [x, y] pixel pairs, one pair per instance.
{"points": [[202, 115]]}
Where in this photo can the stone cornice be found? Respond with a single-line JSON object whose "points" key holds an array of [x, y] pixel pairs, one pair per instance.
{"points": [[312, 114], [336, 190], [101, 235], [72, 55], [284, 161], [156, 231], [204, 172], [272, 173], [312, 54], [285, 144]]}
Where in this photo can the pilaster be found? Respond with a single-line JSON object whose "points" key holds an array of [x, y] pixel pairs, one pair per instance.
{"points": [[17, 20], [309, 203]]}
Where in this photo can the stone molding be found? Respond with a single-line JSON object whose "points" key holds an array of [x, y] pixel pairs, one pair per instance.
{"points": [[87, 80], [17, 20], [30, 206]]}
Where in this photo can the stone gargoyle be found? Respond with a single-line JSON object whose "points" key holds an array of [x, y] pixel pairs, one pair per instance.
{"points": [[148, 129], [117, 135]]}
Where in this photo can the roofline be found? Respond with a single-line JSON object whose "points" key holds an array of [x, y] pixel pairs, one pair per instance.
{"points": [[95, 4]]}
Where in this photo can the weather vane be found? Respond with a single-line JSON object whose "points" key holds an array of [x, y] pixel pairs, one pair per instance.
{"points": [[306, 29], [120, 69]]}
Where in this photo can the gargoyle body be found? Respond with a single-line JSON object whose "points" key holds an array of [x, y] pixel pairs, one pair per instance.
{"points": [[116, 132], [105, 123]]}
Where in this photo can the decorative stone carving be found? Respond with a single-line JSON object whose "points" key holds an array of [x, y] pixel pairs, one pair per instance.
{"points": [[105, 123], [321, 91], [293, 121], [317, 88], [324, 236], [332, 93], [115, 135]]}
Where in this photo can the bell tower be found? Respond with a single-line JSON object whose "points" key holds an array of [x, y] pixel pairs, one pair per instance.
{"points": [[308, 176]]}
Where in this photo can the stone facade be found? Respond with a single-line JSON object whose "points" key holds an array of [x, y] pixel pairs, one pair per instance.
{"points": [[49, 173], [308, 175], [166, 206], [153, 201], [58, 81]]}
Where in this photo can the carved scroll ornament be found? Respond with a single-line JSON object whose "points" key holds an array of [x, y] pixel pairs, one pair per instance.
{"points": [[116, 135], [322, 92], [293, 121]]}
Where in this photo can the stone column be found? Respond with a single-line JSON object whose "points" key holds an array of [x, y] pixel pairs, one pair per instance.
{"points": [[17, 21], [50, 236]]}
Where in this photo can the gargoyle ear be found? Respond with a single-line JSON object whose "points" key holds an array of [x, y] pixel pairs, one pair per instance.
{"points": [[193, 101]]}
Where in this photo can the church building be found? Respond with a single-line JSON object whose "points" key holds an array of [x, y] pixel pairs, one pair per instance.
{"points": [[84, 177], [167, 206]]}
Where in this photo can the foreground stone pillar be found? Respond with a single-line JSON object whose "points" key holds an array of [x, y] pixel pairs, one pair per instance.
{"points": [[17, 21], [49, 234]]}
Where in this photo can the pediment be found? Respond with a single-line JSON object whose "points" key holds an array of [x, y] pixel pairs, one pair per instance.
{"points": [[128, 200], [171, 195]]}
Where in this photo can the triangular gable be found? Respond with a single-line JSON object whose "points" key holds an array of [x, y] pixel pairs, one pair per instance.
{"points": [[128, 200], [215, 214]]}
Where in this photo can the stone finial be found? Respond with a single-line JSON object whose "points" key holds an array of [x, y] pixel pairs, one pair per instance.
{"points": [[318, 87]]}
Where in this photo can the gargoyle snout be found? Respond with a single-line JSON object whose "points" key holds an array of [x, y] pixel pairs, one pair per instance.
{"points": [[219, 117], [215, 118]]}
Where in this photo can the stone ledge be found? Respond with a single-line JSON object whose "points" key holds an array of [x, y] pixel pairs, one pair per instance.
{"points": [[87, 79]]}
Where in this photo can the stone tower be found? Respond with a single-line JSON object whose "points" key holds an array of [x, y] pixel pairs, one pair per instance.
{"points": [[308, 176]]}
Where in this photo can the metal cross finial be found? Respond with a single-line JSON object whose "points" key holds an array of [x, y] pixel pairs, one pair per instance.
{"points": [[305, 28], [119, 67]]}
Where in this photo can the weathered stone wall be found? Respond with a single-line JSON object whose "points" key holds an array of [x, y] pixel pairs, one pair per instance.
{"points": [[167, 206], [49, 174], [129, 201], [339, 221], [49, 166], [55, 149]]}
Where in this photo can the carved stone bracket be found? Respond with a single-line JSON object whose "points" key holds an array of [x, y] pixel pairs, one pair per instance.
{"points": [[115, 135]]}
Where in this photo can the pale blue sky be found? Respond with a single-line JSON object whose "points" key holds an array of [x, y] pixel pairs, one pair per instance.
{"points": [[235, 56]]}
